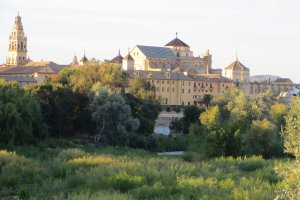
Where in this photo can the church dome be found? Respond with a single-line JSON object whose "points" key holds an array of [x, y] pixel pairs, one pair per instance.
{"points": [[237, 65], [117, 59], [84, 59]]}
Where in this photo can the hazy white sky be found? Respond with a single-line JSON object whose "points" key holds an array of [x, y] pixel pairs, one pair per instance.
{"points": [[265, 33]]}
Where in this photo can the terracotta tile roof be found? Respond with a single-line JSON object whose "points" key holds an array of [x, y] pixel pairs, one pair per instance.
{"points": [[158, 75], [32, 67]]}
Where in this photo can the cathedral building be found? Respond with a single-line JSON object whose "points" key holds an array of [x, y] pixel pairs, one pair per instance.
{"points": [[174, 56]]}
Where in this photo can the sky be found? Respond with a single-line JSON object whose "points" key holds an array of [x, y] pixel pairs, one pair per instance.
{"points": [[264, 33]]}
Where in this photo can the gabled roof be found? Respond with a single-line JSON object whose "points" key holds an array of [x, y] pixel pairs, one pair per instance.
{"points": [[156, 52], [177, 43], [237, 65]]}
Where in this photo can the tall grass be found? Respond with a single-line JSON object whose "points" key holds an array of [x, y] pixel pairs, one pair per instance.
{"points": [[78, 173]]}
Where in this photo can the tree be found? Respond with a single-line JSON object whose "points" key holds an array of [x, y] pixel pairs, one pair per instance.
{"points": [[145, 110], [20, 116], [210, 118], [262, 138], [291, 136], [113, 120], [278, 112], [207, 99], [66, 112], [191, 116]]}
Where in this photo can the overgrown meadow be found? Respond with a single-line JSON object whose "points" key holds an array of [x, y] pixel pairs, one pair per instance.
{"points": [[80, 172]]}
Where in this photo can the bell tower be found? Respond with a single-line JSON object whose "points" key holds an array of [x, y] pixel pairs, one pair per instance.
{"points": [[17, 51]]}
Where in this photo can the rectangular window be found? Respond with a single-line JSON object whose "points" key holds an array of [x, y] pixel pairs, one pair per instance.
{"points": [[173, 82], [182, 82], [182, 91], [189, 90], [173, 89]]}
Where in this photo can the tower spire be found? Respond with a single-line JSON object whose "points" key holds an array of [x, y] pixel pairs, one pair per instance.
{"points": [[17, 51], [176, 34], [236, 56], [119, 52]]}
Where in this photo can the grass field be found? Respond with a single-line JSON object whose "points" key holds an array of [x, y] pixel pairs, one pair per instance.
{"points": [[122, 173]]}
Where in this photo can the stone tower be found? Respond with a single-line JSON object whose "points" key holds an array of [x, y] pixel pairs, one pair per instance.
{"points": [[17, 52]]}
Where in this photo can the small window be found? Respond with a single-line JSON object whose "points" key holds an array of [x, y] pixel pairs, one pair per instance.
{"points": [[182, 103], [173, 89], [173, 82], [182, 82], [189, 103], [182, 90], [162, 81], [162, 89], [189, 90], [167, 89]]}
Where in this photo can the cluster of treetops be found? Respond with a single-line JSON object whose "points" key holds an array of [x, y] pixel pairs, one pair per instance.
{"points": [[91, 101]]}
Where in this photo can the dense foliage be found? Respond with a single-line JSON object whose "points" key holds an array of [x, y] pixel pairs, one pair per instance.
{"points": [[239, 125], [20, 116]]}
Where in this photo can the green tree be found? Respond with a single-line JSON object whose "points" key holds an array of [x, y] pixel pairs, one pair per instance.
{"points": [[191, 116], [207, 99], [262, 138], [278, 112], [291, 136], [145, 110], [113, 120], [20, 116], [211, 117]]}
